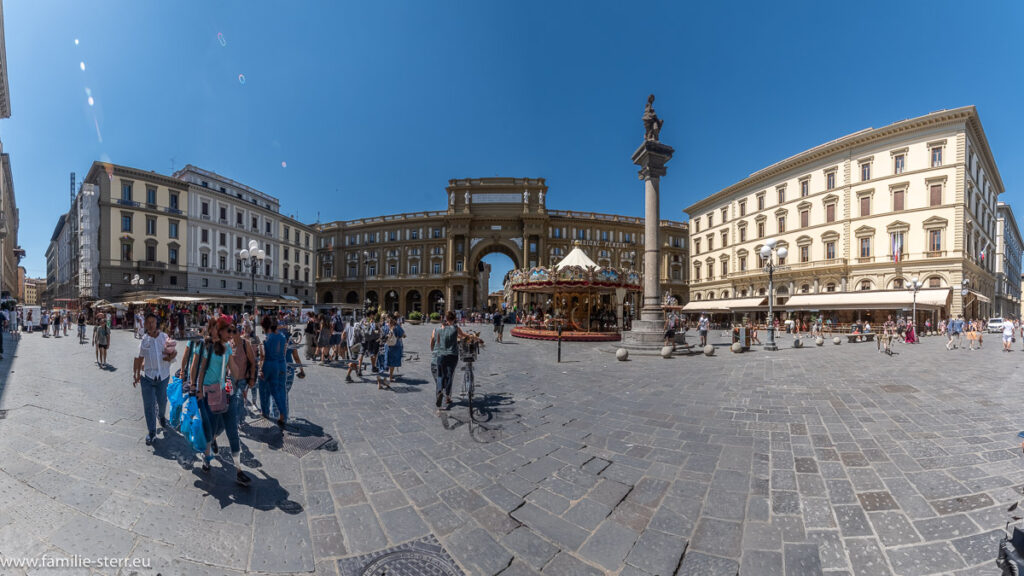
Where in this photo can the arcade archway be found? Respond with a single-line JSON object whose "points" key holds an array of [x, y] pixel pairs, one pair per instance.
{"points": [[489, 262]]}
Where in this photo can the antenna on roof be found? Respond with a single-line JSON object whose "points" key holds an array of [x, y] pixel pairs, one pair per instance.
{"points": [[172, 164]]}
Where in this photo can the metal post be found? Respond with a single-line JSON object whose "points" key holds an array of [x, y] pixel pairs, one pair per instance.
{"points": [[252, 278], [559, 343], [770, 345]]}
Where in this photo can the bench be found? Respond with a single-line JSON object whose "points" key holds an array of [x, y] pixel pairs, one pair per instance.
{"points": [[860, 337]]}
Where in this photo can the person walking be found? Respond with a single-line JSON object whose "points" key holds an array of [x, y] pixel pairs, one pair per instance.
{"points": [[81, 327], [101, 339], [382, 356], [397, 348], [272, 372], [702, 329], [212, 384], [670, 330], [499, 326], [353, 342], [337, 327], [323, 339], [310, 333], [243, 371], [445, 343], [153, 369]]}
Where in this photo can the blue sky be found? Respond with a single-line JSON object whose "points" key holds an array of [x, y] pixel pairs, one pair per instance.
{"points": [[373, 106]]}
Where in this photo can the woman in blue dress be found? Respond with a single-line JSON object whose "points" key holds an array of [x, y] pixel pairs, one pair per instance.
{"points": [[395, 351]]}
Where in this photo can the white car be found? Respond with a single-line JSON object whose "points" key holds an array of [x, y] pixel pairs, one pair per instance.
{"points": [[995, 325]]}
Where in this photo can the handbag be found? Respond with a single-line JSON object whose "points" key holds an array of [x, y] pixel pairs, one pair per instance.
{"points": [[392, 339], [216, 396]]}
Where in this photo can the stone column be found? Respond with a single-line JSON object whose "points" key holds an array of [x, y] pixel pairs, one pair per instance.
{"points": [[651, 157]]}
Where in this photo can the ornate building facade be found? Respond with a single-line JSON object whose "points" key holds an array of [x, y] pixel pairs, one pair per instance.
{"points": [[428, 261], [867, 212], [1008, 254]]}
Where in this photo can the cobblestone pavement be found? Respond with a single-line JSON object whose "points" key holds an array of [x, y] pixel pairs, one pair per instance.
{"points": [[835, 460]]}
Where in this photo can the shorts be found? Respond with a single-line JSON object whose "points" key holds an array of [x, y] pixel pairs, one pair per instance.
{"points": [[372, 348], [1007, 339], [499, 329], [103, 346], [335, 339], [703, 333], [670, 333]]}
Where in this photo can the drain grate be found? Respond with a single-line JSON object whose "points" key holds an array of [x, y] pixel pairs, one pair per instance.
{"points": [[423, 557], [3, 414], [298, 439]]}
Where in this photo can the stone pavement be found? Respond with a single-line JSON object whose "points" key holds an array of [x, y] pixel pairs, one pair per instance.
{"points": [[834, 460]]}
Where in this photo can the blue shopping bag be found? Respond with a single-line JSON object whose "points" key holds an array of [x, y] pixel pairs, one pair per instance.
{"points": [[175, 399], [192, 424]]}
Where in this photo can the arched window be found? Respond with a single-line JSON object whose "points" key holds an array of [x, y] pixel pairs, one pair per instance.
{"points": [[830, 287], [725, 294], [805, 289]]}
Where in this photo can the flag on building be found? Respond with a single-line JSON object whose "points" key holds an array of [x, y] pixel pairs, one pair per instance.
{"points": [[897, 247]]}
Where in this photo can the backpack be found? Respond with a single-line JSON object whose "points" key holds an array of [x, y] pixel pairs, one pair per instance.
{"points": [[371, 333]]}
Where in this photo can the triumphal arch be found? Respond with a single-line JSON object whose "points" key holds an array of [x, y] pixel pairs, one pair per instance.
{"points": [[433, 261]]}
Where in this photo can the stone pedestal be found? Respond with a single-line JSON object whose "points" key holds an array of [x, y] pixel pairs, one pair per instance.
{"points": [[649, 330]]}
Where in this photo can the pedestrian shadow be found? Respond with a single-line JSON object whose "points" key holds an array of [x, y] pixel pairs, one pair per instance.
{"points": [[173, 446], [299, 437], [10, 353], [108, 368], [265, 493]]}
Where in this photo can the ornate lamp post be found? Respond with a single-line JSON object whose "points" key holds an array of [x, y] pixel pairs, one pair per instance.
{"points": [[767, 252], [440, 304], [137, 282], [963, 296], [915, 285], [252, 258], [366, 268]]}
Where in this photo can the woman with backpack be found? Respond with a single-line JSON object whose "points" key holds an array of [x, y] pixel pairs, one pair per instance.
{"points": [[243, 371], [211, 383], [395, 347]]}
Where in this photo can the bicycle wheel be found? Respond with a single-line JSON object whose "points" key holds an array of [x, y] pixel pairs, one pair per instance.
{"points": [[297, 337], [467, 384]]}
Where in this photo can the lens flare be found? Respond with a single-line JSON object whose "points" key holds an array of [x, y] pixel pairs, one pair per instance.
{"points": [[220, 38], [284, 164], [76, 41], [241, 79], [82, 66], [91, 101]]}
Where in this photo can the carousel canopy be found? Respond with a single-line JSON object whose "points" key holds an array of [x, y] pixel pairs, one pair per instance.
{"points": [[577, 257]]}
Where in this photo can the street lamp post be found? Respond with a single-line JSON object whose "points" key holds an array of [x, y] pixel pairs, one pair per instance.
{"points": [[137, 282], [252, 257], [915, 285], [366, 268], [440, 304], [768, 252]]}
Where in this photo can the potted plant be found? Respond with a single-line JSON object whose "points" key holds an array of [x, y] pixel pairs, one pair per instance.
{"points": [[415, 317], [435, 317]]}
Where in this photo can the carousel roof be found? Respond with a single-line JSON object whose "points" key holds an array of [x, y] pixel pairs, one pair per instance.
{"points": [[576, 258]]}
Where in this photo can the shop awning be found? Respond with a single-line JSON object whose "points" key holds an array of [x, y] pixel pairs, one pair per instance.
{"points": [[869, 300], [979, 296], [730, 304], [182, 298]]}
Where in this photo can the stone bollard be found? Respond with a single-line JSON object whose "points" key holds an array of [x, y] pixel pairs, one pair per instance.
{"points": [[836, 341], [709, 350], [622, 354], [666, 351], [819, 341], [737, 347]]}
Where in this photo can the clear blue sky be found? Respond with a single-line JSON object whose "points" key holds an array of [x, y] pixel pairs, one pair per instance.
{"points": [[375, 105]]}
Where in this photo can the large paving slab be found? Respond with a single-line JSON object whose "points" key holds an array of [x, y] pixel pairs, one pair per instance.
{"points": [[833, 459]]}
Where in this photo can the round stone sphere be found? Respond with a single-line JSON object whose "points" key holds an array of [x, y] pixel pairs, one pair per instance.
{"points": [[622, 354], [666, 351], [798, 343], [709, 350], [737, 347], [819, 341], [836, 340]]}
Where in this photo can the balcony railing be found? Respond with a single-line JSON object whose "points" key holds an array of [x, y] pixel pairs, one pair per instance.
{"points": [[125, 202], [176, 211], [204, 216]]}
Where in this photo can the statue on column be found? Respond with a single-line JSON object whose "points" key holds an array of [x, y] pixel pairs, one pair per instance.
{"points": [[652, 124], [451, 198], [467, 197], [526, 196], [540, 195]]}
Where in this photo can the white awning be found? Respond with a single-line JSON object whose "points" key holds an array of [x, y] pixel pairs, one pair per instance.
{"points": [[181, 298], [979, 296], [869, 300], [577, 257], [730, 304]]}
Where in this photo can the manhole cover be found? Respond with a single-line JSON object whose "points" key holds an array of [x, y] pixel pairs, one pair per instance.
{"points": [[423, 557], [410, 563], [899, 388], [3, 414], [297, 440]]}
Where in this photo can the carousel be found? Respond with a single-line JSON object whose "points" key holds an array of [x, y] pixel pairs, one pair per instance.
{"points": [[575, 300]]}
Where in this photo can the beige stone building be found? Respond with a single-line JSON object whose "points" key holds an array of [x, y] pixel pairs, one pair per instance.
{"points": [[427, 261], [141, 231], [297, 268], [1009, 247], [34, 289], [867, 213]]}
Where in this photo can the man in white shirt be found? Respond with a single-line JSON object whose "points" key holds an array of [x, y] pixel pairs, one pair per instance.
{"points": [[153, 368], [1007, 334]]}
